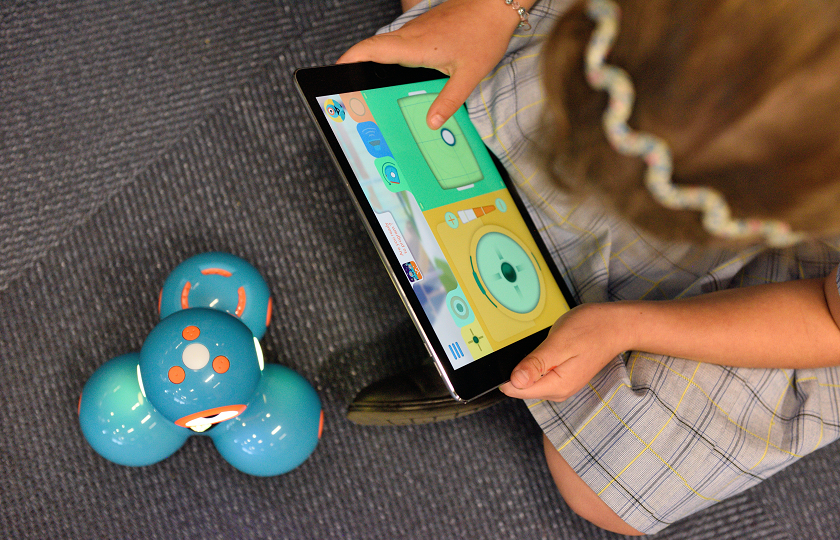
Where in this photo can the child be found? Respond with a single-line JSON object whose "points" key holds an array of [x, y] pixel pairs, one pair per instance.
{"points": [[735, 376]]}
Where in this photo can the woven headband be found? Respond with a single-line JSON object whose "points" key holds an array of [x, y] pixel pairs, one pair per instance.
{"points": [[717, 217]]}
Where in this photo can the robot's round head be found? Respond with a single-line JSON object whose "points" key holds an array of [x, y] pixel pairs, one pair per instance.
{"points": [[199, 367], [220, 281]]}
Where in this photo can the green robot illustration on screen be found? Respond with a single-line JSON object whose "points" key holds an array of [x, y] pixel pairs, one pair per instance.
{"points": [[445, 150]]}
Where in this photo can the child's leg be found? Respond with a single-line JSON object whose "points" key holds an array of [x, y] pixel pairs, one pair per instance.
{"points": [[580, 496]]}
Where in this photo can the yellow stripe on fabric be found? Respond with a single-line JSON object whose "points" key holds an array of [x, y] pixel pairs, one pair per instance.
{"points": [[647, 446], [511, 117], [652, 451], [490, 77], [726, 414], [822, 430], [561, 221], [507, 152], [617, 254], [604, 404], [597, 251], [713, 402], [655, 284]]}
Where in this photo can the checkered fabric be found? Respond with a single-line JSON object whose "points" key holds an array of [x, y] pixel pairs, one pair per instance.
{"points": [[656, 438]]}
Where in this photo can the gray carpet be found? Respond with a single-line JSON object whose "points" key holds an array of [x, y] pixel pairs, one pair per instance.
{"points": [[134, 135]]}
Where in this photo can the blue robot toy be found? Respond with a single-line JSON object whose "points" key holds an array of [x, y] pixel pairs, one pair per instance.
{"points": [[201, 371]]}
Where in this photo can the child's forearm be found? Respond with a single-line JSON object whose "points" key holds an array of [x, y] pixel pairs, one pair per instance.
{"points": [[780, 325]]}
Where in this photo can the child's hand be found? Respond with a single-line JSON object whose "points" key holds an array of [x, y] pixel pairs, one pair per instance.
{"points": [[464, 39], [790, 325], [578, 346]]}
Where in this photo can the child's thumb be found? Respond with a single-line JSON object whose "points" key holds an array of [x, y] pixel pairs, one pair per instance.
{"points": [[527, 372]]}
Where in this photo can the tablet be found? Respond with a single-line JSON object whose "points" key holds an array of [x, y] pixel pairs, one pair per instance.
{"points": [[459, 246]]}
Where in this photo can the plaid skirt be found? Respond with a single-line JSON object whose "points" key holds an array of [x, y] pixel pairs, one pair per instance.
{"points": [[657, 438]]}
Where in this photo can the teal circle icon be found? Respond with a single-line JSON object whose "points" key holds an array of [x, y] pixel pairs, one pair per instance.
{"points": [[451, 220], [508, 273], [460, 310], [391, 174]]}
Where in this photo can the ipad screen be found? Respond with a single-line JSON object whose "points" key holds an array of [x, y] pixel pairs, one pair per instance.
{"points": [[449, 218]]}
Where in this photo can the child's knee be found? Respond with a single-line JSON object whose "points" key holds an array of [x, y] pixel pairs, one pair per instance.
{"points": [[580, 497]]}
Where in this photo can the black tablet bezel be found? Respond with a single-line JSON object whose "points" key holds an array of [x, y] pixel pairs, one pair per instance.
{"points": [[488, 372]]}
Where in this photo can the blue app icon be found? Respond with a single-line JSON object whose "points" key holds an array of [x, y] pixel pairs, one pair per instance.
{"points": [[373, 139]]}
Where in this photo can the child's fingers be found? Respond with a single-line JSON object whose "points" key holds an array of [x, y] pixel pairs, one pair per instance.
{"points": [[383, 49], [393, 49], [454, 93], [557, 384], [574, 351], [364, 51]]}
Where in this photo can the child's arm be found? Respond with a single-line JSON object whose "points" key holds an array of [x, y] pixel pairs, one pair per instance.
{"points": [[779, 325], [464, 39]]}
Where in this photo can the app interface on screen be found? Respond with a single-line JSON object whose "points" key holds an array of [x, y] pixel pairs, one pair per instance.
{"points": [[449, 218]]}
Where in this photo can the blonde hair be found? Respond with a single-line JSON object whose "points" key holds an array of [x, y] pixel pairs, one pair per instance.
{"points": [[746, 93]]}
